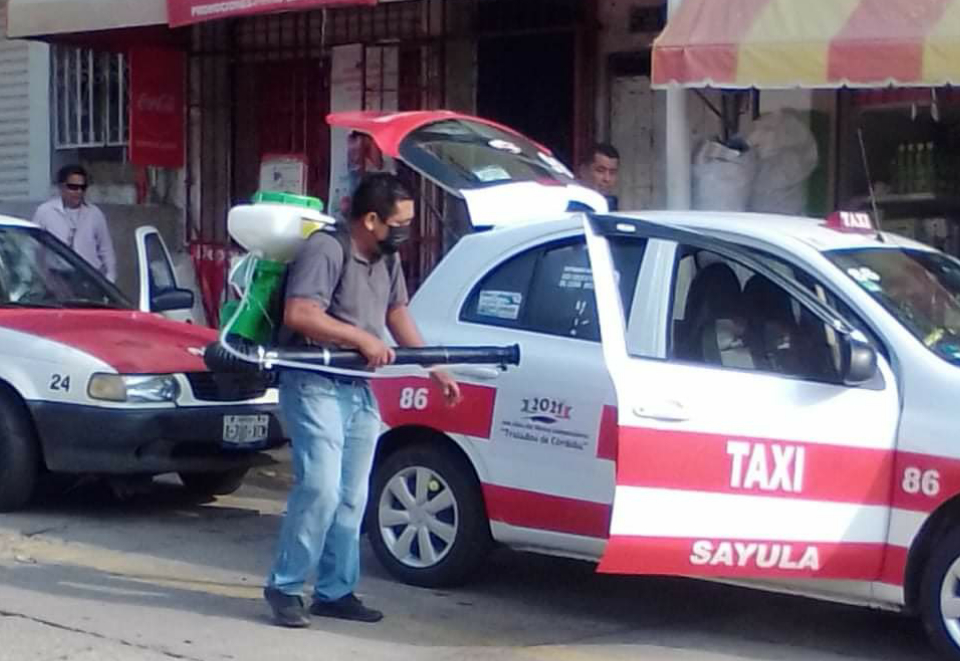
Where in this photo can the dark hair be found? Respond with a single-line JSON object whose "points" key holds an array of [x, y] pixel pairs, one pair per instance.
{"points": [[378, 193], [68, 171], [602, 149]]}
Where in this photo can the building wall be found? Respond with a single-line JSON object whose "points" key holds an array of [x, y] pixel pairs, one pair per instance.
{"points": [[28, 160], [24, 117]]}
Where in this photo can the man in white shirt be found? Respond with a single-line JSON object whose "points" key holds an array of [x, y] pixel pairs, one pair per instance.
{"points": [[76, 222]]}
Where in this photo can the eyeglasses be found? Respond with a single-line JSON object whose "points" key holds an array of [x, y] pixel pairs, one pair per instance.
{"points": [[76, 187]]}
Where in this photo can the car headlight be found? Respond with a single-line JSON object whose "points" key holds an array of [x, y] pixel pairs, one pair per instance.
{"points": [[142, 389]]}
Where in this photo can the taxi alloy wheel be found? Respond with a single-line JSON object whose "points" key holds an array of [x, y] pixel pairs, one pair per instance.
{"points": [[418, 517], [940, 596], [19, 455], [427, 523]]}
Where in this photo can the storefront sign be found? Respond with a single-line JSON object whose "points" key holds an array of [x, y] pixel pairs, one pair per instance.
{"points": [[157, 107], [284, 173], [186, 12]]}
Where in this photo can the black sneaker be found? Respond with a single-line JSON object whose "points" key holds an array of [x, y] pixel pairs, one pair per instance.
{"points": [[288, 609], [346, 608]]}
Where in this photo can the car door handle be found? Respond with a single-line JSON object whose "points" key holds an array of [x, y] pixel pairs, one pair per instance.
{"points": [[662, 411], [477, 373]]}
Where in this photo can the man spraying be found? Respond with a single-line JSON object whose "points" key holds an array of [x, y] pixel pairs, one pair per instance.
{"points": [[341, 292]]}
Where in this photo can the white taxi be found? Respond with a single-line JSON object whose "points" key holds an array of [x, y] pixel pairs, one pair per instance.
{"points": [[760, 399], [91, 385]]}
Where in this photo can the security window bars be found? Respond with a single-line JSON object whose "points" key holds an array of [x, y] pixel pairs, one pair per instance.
{"points": [[91, 98]]}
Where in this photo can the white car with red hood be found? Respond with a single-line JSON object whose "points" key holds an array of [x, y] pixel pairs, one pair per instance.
{"points": [[759, 399], [91, 385]]}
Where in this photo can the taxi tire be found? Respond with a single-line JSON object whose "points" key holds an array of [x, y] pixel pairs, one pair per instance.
{"points": [[19, 456], [473, 541], [216, 483], [946, 553]]}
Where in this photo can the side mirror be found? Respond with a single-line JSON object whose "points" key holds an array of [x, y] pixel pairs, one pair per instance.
{"points": [[859, 362], [172, 299]]}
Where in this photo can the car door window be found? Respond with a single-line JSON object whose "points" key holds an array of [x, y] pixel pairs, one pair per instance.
{"points": [[562, 299], [502, 297], [159, 269], [548, 289], [726, 315]]}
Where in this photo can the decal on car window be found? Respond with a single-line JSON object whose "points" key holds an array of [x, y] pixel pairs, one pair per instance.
{"points": [[863, 274], [576, 277], [500, 304], [505, 145], [556, 165], [491, 173]]}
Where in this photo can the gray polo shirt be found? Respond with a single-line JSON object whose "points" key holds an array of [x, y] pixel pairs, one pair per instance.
{"points": [[359, 293]]}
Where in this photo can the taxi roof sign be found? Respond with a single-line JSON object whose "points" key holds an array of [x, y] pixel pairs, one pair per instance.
{"points": [[851, 221]]}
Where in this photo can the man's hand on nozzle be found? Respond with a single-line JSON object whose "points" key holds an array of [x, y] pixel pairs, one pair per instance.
{"points": [[376, 352]]}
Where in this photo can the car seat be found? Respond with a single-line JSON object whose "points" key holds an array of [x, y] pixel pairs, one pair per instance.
{"points": [[780, 341], [714, 324], [771, 326]]}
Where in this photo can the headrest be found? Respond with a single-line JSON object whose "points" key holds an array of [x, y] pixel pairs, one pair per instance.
{"points": [[765, 299], [715, 292]]}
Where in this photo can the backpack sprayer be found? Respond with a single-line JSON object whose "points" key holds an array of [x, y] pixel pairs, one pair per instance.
{"points": [[272, 229]]}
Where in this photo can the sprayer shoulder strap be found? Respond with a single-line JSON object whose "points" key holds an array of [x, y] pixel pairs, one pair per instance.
{"points": [[343, 238]]}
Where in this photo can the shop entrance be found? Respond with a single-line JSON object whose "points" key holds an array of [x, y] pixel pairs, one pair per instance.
{"points": [[280, 110]]}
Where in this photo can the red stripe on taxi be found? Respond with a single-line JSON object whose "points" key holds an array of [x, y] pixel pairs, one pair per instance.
{"points": [[741, 558], [528, 509], [418, 401], [894, 565], [607, 438], [723, 464]]}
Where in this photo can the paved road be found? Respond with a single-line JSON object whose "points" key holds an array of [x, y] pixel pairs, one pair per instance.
{"points": [[84, 577]]}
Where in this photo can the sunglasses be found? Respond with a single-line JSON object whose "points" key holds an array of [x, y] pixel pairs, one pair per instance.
{"points": [[76, 187]]}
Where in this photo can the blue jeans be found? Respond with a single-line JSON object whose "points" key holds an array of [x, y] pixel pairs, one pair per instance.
{"points": [[333, 424]]}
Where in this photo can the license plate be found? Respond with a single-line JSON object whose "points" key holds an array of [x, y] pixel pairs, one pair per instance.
{"points": [[245, 429]]}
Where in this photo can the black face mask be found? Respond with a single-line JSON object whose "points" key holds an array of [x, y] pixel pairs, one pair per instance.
{"points": [[396, 237]]}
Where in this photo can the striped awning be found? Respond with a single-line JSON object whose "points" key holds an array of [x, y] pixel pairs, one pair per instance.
{"points": [[187, 12], [770, 44], [51, 18]]}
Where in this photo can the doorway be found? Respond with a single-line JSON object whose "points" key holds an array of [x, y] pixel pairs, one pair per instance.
{"points": [[527, 83], [280, 109]]}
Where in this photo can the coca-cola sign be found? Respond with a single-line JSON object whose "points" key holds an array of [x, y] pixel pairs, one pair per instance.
{"points": [[157, 79], [165, 104]]}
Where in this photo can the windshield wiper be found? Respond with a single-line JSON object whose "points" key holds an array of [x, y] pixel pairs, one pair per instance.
{"points": [[31, 304], [89, 303]]}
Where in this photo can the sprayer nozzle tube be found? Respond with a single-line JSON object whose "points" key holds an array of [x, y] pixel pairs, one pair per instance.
{"points": [[219, 359]]}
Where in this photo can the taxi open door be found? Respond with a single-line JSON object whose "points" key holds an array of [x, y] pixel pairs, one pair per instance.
{"points": [[738, 473]]}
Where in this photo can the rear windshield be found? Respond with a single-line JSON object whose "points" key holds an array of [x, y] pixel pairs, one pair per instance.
{"points": [[463, 155]]}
